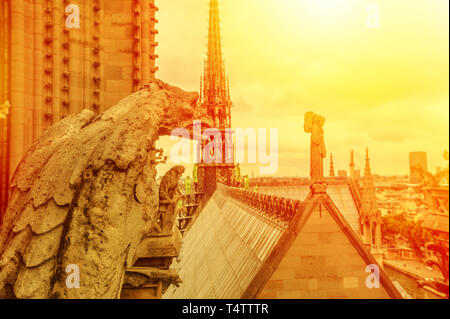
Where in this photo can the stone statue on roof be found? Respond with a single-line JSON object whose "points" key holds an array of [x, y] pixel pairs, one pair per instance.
{"points": [[314, 125]]}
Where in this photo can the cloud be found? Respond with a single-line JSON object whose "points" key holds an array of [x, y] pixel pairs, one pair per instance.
{"points": [[391, 135]]}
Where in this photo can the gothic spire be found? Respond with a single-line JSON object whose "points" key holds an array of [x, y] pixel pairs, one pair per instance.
{"points": [[331, 166], [368, 196], [215, 94], [367, 171]]}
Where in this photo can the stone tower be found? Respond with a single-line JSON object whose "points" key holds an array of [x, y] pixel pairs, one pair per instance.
{"points": [[370, 215], [368, 189], [215, 97], [352, 164], [58, 57]]}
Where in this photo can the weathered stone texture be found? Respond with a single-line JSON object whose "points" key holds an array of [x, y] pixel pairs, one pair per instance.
{"points": [[73, 196]]}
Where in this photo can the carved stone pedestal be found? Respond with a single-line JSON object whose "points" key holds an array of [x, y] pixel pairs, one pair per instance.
{"points": [[158, 250], [147, 283], [150, 276], [319, 188]]}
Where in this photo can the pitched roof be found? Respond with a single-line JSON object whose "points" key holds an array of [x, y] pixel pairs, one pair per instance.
{"points": [[233, 251]]}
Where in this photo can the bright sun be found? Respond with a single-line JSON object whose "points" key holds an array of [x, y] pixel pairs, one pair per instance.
{"points": [[321, 4], [320, 13], [317, 6]]}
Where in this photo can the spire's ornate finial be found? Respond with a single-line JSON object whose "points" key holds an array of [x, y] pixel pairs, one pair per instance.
{"points": [[331, 166]]}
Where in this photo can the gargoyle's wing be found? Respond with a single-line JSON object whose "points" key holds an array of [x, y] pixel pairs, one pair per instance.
{"points": [[73, 201], [38, 207]]}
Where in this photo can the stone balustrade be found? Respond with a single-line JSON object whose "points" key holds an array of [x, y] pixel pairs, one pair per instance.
{"points": [[282, 182], [276, 207]]}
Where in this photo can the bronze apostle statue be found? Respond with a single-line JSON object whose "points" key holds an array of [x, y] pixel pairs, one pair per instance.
{"points": [[314, 125]]}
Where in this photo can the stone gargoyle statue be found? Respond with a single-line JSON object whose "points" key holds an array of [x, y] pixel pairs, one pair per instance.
{"points": [[85, 193], [167, 204]]}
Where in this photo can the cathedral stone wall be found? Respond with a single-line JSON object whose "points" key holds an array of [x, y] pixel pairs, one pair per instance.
{"points": [[52, 67]]}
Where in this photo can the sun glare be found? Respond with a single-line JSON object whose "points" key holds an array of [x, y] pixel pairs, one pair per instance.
{"points": [[320, 13], [320, 5]]}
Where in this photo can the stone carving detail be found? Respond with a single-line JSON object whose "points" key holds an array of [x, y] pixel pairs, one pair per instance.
{"points": [[85, 193], [280, 208], [314, 125], [136, 278]]}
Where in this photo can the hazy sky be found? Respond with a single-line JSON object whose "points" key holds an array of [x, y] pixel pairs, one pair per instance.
{"points": [[385, 88]]}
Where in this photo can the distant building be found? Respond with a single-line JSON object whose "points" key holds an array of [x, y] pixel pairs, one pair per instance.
{"points": [[417, 160], [393, 199], [342, 173]]}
